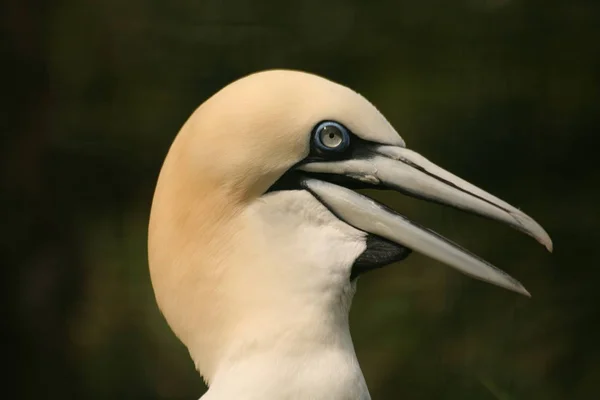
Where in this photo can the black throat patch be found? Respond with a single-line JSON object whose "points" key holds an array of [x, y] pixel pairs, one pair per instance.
{"points": [[379, 253]]}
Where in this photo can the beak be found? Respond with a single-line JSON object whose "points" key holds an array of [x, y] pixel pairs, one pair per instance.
{"points": [[390, 167]]}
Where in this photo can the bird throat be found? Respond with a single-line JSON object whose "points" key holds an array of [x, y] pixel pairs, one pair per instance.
{"points": [[379, 253]]}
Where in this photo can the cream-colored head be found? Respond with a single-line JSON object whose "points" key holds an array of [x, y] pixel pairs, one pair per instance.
{"points": [[219, 271], [240, 271]]}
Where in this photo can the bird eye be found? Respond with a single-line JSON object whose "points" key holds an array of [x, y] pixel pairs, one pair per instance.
{"points": [[331, 136]]}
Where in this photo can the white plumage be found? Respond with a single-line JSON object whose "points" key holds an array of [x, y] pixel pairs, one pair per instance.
{"points": [[256, 233]]}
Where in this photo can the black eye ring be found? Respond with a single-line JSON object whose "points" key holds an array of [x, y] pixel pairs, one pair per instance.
{"points": [[331, 136]]}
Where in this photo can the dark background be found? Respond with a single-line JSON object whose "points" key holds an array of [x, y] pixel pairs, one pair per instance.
{"points": [[504, 93]]}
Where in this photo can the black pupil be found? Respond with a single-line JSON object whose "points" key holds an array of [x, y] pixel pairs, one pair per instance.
{"points": [[331, 132]]}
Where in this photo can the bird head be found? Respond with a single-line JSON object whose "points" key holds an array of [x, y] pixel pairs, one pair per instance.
{"points": [[257, 232]]}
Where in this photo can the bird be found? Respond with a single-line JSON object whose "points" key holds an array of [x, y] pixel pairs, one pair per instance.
{"points": [[259, 231]]}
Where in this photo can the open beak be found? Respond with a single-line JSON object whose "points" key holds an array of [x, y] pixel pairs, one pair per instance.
{"points": [[408, 172]]}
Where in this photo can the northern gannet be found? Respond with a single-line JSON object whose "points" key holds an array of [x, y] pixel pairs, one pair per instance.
{"points": [[257, 234]]}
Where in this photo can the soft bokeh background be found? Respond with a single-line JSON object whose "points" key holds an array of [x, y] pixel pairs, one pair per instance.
{"points": [[504, 93]]}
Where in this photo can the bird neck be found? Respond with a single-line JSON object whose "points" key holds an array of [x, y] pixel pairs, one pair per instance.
{"points": [[292, 371]]}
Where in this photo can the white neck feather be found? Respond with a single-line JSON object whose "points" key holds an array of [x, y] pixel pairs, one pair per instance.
{"points": [[297, 345], [324, 373]]}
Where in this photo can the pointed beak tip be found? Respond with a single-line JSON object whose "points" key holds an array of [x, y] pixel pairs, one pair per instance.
{"points": [[512, 285], [520, 289], [545, 240], [526, 293], [535, 230]]}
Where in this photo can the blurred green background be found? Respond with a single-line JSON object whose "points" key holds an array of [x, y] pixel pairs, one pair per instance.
{"points": [[504, 93]]}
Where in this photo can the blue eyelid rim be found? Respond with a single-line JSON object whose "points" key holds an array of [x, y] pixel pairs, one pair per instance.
{"points": [[345, 137]]}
